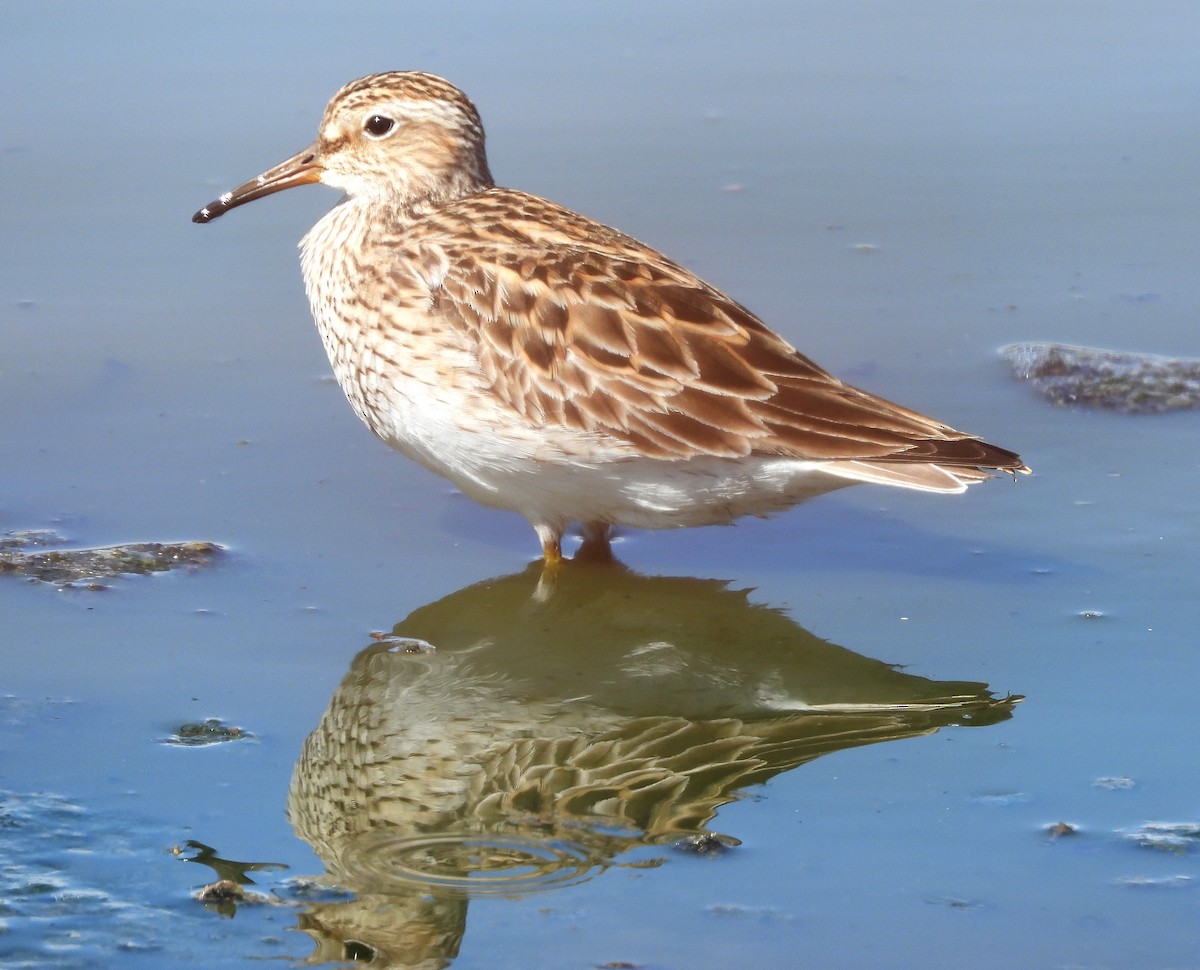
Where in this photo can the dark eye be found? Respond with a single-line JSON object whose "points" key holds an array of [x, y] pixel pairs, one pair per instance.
{"points": [[377, 126]]}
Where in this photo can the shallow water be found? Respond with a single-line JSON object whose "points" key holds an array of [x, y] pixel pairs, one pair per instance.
{"points": [[900, 190]]}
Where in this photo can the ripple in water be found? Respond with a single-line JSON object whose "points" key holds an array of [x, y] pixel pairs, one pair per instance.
{"points": [[474, 864]]}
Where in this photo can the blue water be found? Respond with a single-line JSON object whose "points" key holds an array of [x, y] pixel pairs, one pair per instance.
{"points": [[898, 189]]}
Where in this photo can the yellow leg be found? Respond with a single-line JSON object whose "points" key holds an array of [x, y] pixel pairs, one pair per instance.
{"points": [[551, 539]]}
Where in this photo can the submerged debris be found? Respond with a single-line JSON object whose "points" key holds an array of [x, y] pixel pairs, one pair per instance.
{"points": [[1176, 837], [1153, 882], [26, 538], [225, 896], [740, 911], [954, 902], [212, 731], [1134, 383], [223, 890], [707, 843], [229, 891], [26, 554]]}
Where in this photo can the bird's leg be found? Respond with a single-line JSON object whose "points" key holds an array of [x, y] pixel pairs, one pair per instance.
{"points": [[551, 539], [596, 547], [552, 560]]}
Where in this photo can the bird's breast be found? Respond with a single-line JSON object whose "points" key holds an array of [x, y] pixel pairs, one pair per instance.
{"points": [[373, 312], [409, 373]]}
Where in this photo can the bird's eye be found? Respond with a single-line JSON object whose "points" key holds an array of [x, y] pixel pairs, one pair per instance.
{"points": [[378, 126]]}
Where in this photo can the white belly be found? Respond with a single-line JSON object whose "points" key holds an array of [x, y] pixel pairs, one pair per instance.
{"points": [[563, 477]]}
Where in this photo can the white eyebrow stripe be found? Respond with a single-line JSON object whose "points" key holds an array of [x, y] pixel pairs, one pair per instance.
{"points": [[437, 111], [441, 111]]}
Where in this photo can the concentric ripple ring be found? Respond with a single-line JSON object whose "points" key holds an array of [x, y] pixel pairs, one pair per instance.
{"points": [[384, 861]]}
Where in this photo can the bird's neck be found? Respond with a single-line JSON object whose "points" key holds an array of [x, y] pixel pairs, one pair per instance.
{"points": [[423, 195]]}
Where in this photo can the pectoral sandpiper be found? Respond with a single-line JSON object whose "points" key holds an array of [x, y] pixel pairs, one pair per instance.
{"points": [[551, 365]]}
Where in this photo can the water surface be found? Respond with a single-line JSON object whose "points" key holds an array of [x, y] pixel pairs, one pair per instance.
{"points": [[900, 190]]}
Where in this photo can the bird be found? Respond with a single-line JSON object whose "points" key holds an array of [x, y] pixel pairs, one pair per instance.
{"points": [[554, 366]]}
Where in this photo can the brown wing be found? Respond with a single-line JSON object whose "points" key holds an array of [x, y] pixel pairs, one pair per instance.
{"points": [[617, 339]]}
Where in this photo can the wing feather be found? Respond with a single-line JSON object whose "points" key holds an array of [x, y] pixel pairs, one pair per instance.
{"points": [[587, 328]]}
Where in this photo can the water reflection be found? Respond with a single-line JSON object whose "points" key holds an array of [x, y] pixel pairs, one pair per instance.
{"points": [[520, 735]]}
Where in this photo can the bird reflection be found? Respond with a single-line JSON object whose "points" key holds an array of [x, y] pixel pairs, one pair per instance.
{"points": [[519, 735]]}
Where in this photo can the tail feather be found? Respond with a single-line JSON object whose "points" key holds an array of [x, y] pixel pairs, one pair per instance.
{"points": [[921, 477]]}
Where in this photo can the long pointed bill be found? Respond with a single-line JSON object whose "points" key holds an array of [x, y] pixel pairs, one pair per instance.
{"points": [[303, 168]]}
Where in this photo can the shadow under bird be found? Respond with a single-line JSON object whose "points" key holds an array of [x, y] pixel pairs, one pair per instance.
{"points": [[554, 366]]}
